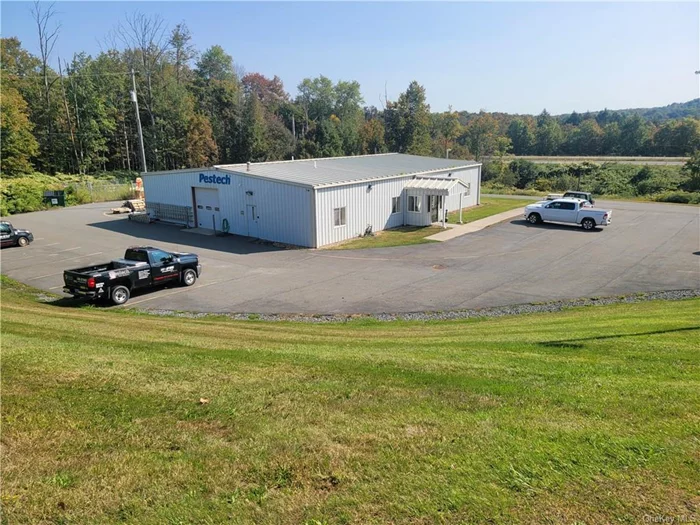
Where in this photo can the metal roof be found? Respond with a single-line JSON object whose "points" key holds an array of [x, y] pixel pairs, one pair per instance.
{"points": [[337, 171], [433, 185]]}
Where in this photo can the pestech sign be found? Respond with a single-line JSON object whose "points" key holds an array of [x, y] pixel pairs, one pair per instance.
{"points": [[214, 179]]}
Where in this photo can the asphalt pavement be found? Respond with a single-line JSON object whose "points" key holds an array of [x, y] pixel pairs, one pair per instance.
{"points": [[649, 247]]}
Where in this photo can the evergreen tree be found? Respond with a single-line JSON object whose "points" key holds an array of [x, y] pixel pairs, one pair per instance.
{"points": [[253, 143]]}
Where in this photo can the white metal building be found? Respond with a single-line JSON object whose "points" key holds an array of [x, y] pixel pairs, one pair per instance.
{"points": [[314, 202]]}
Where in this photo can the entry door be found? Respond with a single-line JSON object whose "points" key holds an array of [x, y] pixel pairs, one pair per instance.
{"points": [[208, 212], [435, 204], [253, 218]]}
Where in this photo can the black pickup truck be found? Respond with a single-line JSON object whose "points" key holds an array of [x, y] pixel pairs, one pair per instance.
{"points": [[142, 267], [10, 236]]}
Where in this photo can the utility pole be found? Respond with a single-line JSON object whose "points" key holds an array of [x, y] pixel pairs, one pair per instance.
{"points": [[135, 99]]}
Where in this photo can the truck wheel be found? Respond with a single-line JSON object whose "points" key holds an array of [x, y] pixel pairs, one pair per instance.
{"points": [[189, 277], [120, 295], [588, 224], [534, 218], [22, 242]]}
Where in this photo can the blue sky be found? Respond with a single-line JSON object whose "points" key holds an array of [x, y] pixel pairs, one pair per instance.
{"points": [[512, 57]]}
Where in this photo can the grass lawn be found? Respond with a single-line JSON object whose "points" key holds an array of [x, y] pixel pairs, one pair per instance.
{"points": [[406, 235], [401, 236], [584, 416], [489, 206]]}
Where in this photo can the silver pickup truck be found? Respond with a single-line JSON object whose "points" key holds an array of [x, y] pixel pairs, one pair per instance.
{"points": [[571, 211]]}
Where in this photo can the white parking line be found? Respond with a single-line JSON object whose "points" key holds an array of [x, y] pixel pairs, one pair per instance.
{"points": [[53, 244], [42, 276], [68, 250], [63, 260]]}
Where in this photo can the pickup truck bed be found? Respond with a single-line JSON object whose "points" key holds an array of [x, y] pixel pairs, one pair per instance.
{"points": [[117, 264]]}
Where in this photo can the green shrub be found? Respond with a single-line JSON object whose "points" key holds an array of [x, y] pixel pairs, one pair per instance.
{"points": [[544, 185], [77, 194], [22, 195], [25, 194], [680, 197]]}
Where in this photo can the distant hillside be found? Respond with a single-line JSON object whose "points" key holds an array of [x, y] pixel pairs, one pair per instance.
{"points": [[657, 114], [675, 110]]}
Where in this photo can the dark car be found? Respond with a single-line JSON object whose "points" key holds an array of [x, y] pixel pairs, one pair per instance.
{"points": [[10, 236], [586, 196], [140, 268]]}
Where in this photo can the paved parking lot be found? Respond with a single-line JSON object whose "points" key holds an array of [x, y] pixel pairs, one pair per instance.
{"points": [[649, 247]]}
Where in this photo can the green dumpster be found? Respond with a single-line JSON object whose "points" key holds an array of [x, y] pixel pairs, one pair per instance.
{"points": [[55, 197]]}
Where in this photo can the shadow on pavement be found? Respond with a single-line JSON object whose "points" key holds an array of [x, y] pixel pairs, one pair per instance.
{"points": [[161, 232], [554, 226], [73, 302]]}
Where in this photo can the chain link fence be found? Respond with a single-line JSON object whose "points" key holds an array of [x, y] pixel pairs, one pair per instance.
{"points": [[86, 192]]}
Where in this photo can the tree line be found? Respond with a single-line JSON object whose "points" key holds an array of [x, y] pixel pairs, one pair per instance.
{"points": [[199, 108]]}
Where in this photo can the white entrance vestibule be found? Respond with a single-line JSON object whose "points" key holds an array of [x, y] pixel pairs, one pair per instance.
{"points": [[435, 191]]}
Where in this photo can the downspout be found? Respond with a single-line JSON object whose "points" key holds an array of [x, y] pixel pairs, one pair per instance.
{"points": [[313, 218], [442, 212], [478, 189]]}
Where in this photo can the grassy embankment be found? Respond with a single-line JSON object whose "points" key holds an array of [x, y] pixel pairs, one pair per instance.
{"points": [[406, 235], [587, 416]]}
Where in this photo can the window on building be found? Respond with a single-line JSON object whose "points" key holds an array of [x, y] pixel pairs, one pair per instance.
{"points": [[396, 205], [413, 203], [339, 216], [469, 189]]}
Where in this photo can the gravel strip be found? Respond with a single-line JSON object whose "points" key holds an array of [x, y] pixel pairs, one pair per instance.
{"points": [[500, 311]]}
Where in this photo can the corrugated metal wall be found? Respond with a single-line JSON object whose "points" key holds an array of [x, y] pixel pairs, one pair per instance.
{"points": [[469, 197], [421, 218], [285, 210], [362, 207]]}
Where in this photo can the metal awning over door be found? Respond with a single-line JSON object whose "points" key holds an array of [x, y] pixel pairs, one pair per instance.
{"points": [[435, 186]]}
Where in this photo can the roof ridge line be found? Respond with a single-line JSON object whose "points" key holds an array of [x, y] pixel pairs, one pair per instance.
{"points": [[305, 160]]}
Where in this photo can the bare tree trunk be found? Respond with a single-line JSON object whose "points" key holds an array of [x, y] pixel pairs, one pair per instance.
{"points": [[126, 142], [147, 42], [77, 120], [70, 122], [47, 41]]}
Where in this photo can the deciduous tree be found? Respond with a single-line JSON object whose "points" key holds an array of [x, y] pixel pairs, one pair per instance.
{"points": [[481, 134], [201, 147], [18, 143], [549, 135], [521, 136]]}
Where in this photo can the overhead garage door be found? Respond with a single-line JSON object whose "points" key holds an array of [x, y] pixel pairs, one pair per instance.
{"points": [[207, 205]]}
